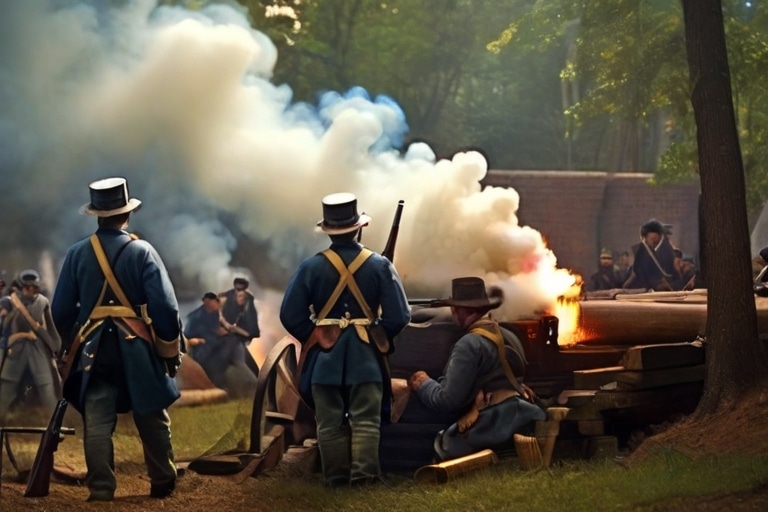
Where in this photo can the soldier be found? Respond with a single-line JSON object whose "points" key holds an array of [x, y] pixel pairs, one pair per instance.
{"points": [[220, 353], [29, 345], [607, 276], [128, 347], [240, 318], [653, 267], [475, 376], [329, 307]]}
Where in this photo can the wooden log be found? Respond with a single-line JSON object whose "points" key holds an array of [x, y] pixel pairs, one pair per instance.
{"points": [[652, 357], [645, 379], [451, 469], [639, 323], [658, 317]]}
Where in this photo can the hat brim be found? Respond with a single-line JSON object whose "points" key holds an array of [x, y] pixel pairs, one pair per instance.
{"points": [[491, 303], [132, 205], [362, 221]]}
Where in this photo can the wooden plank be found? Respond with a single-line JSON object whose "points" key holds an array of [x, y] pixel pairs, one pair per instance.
{"points": [[596, 377], [591, 427], [645, 379], [669, 355], [575, 397]]}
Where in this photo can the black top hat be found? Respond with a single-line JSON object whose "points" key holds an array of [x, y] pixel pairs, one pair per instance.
{"points": [[469, 292], [340, 214], [109, 197]]}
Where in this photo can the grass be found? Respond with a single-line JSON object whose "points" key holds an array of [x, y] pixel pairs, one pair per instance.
{"points": [[570, 485]]}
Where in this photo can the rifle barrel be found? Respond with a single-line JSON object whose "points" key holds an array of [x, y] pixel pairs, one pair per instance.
{"points": [[389, 249]]}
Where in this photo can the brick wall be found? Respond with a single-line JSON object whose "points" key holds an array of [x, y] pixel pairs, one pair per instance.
{"points": [[580, 212]]}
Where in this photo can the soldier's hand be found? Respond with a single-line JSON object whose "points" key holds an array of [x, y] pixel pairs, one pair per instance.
{"points": [[530, 394], [172, 365], [417, 379]]}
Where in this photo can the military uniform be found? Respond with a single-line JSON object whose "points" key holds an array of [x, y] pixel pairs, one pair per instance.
{"points": [[27, 354], [116, 371], [345, 381]]}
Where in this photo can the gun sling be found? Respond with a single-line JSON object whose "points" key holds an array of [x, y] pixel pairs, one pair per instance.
{"points": [[497, 338], [38, 328]]}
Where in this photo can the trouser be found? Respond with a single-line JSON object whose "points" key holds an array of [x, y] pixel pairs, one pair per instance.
{"points": [[100, 419], [348, 422]]}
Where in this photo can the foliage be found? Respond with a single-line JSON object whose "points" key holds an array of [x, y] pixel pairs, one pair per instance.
{"points": [[562, 84], [627, 70]]}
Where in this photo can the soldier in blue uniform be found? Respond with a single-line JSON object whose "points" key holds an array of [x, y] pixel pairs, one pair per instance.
{"points": [[128, 343], [340, 322]]}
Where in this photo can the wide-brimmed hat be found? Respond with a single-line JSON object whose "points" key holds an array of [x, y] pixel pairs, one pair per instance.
{"points": [[469, 292], [340, 214], [109, 197]]}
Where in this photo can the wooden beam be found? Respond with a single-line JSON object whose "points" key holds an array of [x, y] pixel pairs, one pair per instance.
{"points": [[645, 379], [596, 377], [669, 355]]}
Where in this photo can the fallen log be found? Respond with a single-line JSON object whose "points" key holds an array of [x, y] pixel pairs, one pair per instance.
{"points": [[640, 323]]}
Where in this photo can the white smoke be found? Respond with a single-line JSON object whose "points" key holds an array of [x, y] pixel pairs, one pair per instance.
{"points": [[181, 103]]}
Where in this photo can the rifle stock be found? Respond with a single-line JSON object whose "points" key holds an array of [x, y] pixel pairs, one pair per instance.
{"points": [[40, 475], [389, 249]]}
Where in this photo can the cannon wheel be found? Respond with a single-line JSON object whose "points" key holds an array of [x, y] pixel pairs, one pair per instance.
{"points": [[277, 406]]}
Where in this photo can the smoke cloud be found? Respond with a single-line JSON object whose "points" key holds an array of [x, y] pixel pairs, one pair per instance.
{"points": [[181, 103]]}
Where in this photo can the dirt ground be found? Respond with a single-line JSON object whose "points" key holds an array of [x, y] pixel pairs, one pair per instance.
{"points": [[743, 429]]}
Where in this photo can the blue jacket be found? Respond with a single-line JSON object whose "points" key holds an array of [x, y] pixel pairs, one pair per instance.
{"points": [[142, 275], [350, 361], [473, 365]]}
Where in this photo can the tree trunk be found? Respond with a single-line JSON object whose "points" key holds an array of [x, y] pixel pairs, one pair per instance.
{"points": [[736, 359]]}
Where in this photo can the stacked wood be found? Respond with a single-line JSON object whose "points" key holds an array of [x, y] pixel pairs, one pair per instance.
{"points": [[652, 384]]}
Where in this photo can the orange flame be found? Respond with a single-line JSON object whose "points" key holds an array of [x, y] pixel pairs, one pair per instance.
{"points": [[568, 312]]}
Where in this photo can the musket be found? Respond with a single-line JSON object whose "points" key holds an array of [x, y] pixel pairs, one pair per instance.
{"points": [[389, 249], [39, 480]]}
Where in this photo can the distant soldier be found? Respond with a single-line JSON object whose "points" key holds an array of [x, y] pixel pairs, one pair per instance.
{"points": [[653, 266], [685, 277], [607, 276], [220, 353], [238, 315], [29, 345]]}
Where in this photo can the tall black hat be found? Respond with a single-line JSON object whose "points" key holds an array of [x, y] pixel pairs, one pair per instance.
{"points": [[109, 197], [340, 214]]}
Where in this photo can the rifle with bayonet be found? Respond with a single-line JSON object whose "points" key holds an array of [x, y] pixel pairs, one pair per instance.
{"points": [[40, 476]]}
